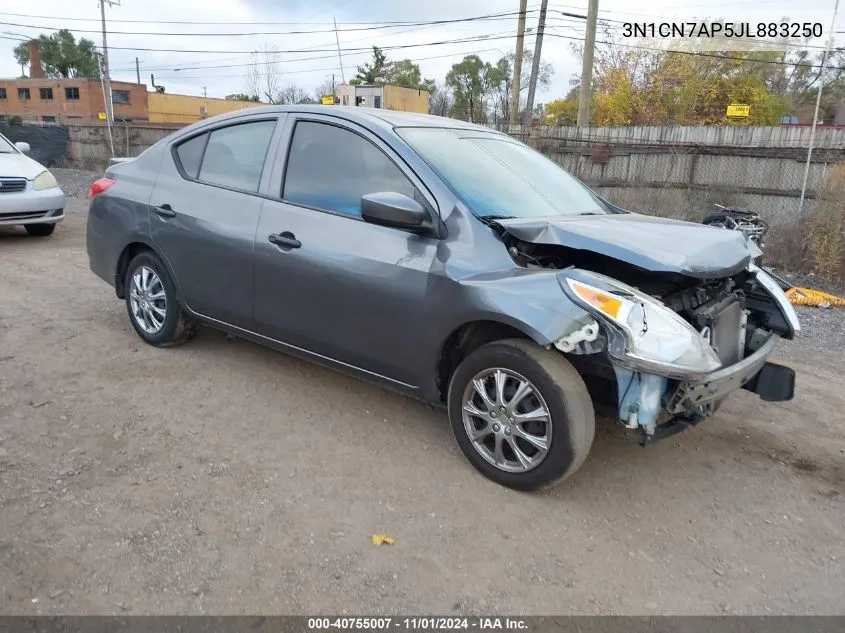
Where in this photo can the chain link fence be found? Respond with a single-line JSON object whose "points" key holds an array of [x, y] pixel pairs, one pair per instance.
{"points": [[687, 181]]}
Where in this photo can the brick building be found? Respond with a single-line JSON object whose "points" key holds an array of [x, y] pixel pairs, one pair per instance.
{"points": [[70, 100], [79, 100]]}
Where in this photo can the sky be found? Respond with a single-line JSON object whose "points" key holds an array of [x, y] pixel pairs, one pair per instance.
{"points": [[163, 34]]}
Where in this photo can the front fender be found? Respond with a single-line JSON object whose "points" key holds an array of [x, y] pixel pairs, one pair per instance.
{"points": [[531, 301]]}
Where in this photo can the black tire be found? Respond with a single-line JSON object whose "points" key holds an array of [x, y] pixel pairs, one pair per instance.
{"points": [[177, 327], [40, 230], [565, 395]]}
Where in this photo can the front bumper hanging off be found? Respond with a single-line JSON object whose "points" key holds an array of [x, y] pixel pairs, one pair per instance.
{"points": [[691, 402], [771, 382]]}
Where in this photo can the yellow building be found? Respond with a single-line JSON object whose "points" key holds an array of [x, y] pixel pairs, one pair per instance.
{"points": [[170, 108], [387, 97]]}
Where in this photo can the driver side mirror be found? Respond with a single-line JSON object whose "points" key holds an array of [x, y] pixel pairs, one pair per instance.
{"points": [[389, 208], [22, 147]]}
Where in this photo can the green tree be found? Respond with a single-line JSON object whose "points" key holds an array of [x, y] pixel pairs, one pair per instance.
{"points": [[62, 55], [239, 96], [372, 73], [469, 81], [407, 74]]}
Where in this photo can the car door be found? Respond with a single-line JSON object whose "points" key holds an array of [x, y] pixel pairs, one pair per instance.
{"points": [[205, 209], [325, 280]]}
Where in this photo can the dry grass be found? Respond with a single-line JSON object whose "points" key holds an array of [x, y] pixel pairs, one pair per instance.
{"points": [[824, 229]]}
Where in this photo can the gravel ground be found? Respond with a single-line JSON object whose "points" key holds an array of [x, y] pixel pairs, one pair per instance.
{"points": [[225, 478]]}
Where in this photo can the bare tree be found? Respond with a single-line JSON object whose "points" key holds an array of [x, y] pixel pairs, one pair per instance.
{"points": [[291, 94], [324, 90], [264, 74], [441, 100]]}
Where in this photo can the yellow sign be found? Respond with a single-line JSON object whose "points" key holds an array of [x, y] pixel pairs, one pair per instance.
{"points": [[101, 116], [328, 100], [738, 109]]}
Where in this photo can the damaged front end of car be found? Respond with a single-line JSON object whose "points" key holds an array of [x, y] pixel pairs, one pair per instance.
{"points": [[675, 357]]}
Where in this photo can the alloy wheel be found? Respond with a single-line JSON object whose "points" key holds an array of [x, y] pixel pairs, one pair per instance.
{"points": [[148, 300], [507, 420]]}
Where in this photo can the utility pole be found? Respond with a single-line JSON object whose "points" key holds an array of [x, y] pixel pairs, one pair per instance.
{"points": [[818, 103], [339, 58], [205, 91], [585, 95], [516, 82], [334, 92], [535, 67], [137, 70], [109, 105]]}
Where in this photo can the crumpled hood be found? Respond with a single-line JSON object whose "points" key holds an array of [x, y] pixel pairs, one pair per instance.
{"points": [[656, 244], [19, 166]]}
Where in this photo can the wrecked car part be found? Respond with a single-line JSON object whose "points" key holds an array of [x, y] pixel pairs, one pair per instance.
{"points": [[572, 343], [651, 243], [643, 333], [784, 306], [640, 398], [720, 383]]}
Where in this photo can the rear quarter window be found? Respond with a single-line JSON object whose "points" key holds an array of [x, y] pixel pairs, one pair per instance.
{"points": [[190, 154]]}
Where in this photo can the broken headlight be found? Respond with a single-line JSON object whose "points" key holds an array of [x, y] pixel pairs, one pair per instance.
{"points": [[643, 333]]}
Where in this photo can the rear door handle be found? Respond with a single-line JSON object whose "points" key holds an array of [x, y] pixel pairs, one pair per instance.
{"points": [[285, 240], [164, 211]]}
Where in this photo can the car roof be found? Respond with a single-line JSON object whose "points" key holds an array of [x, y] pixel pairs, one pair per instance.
{"points": [[365, 116]]}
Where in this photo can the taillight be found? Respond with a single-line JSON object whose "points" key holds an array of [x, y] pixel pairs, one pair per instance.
{"points": [[99, 186]]}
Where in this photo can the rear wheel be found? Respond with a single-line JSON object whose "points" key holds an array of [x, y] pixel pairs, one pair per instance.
{"points": [[40, 230], [152, 303], [521, 414]]}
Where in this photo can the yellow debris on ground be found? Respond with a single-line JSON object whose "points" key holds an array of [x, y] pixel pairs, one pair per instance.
{"points": [[814, 298], [378, 539]]}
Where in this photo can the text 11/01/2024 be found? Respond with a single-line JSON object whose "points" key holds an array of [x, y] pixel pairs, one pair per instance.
{"points": [[421, 623], [740, 30]]}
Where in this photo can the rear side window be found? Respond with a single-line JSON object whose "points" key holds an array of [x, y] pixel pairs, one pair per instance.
{"points": [[190, 154], [231, 156], [331, 168]]}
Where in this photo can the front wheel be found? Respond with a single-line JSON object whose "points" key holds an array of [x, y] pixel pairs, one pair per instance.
{"points": [[40, 230], [521, 414]]}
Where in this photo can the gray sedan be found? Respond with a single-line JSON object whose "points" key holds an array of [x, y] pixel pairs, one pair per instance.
{"points": [[448, 262]]}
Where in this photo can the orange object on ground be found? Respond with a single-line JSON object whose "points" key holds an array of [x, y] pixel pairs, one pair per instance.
{"points": [[815, 298]]}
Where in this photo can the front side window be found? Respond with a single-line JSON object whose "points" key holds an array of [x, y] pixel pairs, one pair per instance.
{"points": [[332, 168], [497, 176]]}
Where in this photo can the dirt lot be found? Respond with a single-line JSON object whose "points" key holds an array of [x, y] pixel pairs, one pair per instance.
{"points": [[221, 477]]}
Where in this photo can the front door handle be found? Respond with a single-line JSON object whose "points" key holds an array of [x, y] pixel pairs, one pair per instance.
{"points": [[285, 240], [164, 211]]}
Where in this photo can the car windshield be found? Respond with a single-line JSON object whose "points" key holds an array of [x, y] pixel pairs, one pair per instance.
{"points": [[498, 177], [6, 146]]}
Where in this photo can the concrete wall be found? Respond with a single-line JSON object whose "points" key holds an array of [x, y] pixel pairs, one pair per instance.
{"points": [[184, 109], [82, 110], [88, 145]]}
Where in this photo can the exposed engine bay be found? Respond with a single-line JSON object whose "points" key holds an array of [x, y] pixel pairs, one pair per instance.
{"points": [[734, 314]]}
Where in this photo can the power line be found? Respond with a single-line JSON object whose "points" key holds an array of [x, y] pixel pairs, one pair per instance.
{"points": [[375, 26], [310, 70], [312, 50]]}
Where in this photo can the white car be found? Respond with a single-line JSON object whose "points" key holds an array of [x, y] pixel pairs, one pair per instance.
{"points": [[29, 193]]}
